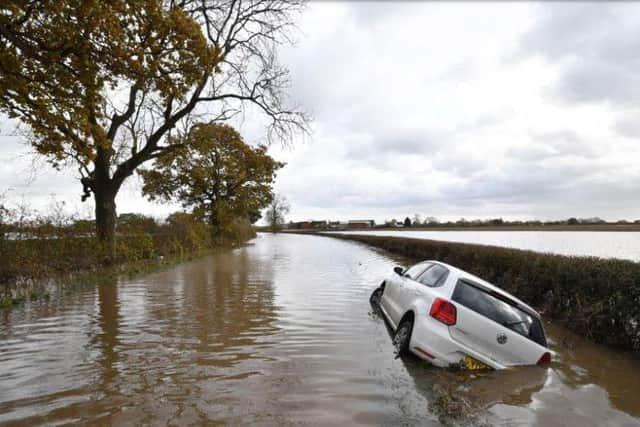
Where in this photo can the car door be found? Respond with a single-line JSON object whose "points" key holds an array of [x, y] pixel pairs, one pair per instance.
{"points": [[494, 325], [404, 289], [389, 300], [431, 277]]}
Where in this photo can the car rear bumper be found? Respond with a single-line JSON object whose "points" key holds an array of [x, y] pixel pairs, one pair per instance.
{"points": [[431, 341]]}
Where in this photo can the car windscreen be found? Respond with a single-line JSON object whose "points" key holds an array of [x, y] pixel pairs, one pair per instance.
{"points": [[434, 276], [499, 309], [416, 270]]}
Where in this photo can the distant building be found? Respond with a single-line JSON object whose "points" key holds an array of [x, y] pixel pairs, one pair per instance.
{"points": [[594, 220], [300, 225], [338, 225], [319, 225], [308, 225], [360, 223]]}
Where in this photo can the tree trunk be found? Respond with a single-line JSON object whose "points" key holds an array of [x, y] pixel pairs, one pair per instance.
{"points": [[105, 189], [105, 199]]}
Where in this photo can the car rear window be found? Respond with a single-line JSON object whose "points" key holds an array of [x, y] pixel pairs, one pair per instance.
{"points": [[499, 309], [434, 276]]}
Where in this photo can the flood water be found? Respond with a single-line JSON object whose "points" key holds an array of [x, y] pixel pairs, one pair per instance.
{"points": [[603, 244], [279, 332]]}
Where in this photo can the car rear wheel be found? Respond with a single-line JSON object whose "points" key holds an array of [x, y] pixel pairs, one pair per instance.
{"points": [[402, 337]]}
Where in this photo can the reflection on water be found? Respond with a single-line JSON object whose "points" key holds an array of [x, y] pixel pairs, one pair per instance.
{"points": [[276, 333], [603, 244]]}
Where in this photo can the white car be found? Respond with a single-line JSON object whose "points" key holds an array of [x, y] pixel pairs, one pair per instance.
{"points": [[449, 317]]}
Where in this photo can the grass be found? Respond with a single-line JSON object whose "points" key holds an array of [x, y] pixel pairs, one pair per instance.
{"points": [[33, 254], [41, 289]]}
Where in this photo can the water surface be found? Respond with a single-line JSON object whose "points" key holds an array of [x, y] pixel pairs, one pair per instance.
{"points": [[279, 332], [603, 244]]}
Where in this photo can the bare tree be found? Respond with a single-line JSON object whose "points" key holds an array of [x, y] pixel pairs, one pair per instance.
{"points": [[276, 212], [4, 214]]}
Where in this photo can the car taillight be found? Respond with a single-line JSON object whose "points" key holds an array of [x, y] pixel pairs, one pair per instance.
{"points": [[545, 358], [443, 311]]}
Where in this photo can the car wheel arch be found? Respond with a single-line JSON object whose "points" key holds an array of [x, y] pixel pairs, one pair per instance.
{"points": [[408, 315]]}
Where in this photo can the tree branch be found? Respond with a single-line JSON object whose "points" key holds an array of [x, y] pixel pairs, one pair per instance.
{"points": [[118, 119]]}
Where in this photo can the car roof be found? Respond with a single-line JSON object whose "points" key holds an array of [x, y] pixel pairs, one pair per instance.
{"points": [[473, 278]]}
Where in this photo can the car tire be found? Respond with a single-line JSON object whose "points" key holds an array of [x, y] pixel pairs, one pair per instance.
{"points": [[402, 337], [375, 297]]}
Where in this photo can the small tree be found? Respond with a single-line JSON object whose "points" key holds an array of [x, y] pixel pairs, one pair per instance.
{"points": [[496, 221], [431, 220], [4, 213], [215, 173], [276, 212], [134, 223], [254, 215], [407, 222]]}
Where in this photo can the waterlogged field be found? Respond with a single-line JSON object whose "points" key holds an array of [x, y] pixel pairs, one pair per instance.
{"points": [[603, 244], [279, 332]]}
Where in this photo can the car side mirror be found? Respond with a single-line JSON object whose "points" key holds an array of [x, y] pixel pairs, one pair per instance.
{"points": [[398, 270]]}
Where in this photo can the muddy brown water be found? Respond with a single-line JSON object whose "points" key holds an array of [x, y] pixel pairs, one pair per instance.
{"points": [[279, 332]]}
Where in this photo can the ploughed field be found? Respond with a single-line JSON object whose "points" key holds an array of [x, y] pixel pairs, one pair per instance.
{"points": [[279, 332]]}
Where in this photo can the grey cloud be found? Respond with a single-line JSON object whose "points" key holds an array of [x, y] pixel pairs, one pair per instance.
{"points": [[394, 142], [600, 80], [460, 162], [381, 166], [368, 13], [595, 43], [567, 143], [520, 183], [628, 125], [563, 29], [438, 149], [556, 144], [414, 114], [460, 70]]}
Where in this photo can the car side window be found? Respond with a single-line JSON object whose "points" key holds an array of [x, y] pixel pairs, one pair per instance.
{"points": [[416, 270], [434, 276]]}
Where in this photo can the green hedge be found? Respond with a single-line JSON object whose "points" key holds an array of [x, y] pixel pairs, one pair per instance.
{"points": [[597, 298]]}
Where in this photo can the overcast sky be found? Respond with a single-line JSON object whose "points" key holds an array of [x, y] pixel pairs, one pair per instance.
{"points": [[514, 110]]}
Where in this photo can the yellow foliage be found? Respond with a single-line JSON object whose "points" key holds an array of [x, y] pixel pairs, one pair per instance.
{"points": [[63, 57], [214, 172]]}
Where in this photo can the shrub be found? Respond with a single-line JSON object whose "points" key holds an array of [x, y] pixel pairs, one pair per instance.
{"points": [[239, 230], [35, 246]]}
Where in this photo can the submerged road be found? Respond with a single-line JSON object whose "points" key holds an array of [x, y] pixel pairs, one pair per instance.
{"points": [[279, 332]]}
